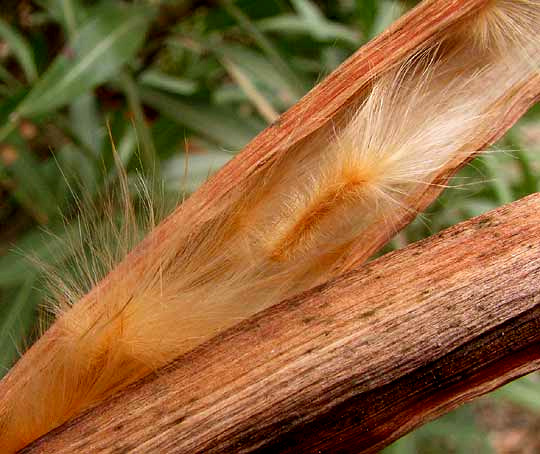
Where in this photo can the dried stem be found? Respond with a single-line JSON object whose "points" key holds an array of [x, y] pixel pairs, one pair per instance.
{"points": [[349, 366]]}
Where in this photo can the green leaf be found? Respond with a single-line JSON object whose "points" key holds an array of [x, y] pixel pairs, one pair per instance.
{"points": [[524, 392], [17, 316], [103, 45], [148, 149], [199, 167], [86, 122], [69, 16], [388, 12], [31, 187], [501, 186], [43, 247], [219, 125], [168, 137], [8, 78], [79, 173], [321, 31], [366, 13], [177, 85], [20, 48], [69, 13], [308, 10], [263, 73], [266, 45], [405, 445], [309, 21]]}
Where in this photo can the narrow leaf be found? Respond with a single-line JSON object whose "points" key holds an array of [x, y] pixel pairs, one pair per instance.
{"points": [[20, 48], [157, 79], [216, 124], [16, 319], [103, 45]]}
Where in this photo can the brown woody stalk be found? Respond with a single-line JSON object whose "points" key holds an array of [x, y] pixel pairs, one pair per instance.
{"points": [[350, 366]]}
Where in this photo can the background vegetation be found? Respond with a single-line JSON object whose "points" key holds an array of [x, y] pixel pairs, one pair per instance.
{"points": [[174, 76]]}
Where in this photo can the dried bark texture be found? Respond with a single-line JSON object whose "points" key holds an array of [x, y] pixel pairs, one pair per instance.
{"points": [[349, 366]]}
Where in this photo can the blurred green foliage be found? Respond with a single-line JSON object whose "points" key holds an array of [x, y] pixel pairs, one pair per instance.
{"points": [[171, 76]]}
